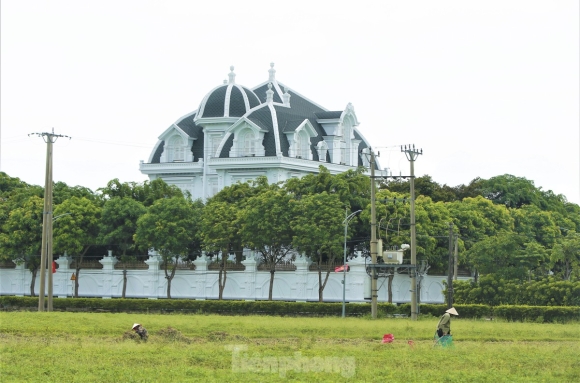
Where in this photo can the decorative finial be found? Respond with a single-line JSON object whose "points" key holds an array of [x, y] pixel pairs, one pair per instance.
{"points": [[232, 75], [269, 94], [272, 72]]}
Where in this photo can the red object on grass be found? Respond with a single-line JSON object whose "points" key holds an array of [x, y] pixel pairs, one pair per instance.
{"points": [[53, 267], [388, 338]]}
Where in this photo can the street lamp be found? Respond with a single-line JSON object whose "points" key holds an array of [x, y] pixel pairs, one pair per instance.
{"points": [[346, 221]]}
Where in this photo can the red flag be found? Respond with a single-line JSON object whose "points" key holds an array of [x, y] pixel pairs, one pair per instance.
{"points": [[53, 267], [339, 269]]}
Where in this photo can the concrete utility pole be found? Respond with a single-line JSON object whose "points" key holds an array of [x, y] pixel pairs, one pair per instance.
{"points": [[412, 155], [46, 251], [450, 270], [374, 293]]}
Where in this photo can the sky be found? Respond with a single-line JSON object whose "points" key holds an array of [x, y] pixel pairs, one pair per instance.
{"points": [[484, 88]]}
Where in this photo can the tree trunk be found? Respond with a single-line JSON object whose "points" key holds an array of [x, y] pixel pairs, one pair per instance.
{"points": [[169, 277], [222, 277], [124, 282], [272, 271], [322, 285], [77, 274], [33, 271]]}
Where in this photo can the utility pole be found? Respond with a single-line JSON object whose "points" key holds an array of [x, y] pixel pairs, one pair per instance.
{"points": [[411, 153], [455, 259], [374, 292], [450, 270], [46, 251]]}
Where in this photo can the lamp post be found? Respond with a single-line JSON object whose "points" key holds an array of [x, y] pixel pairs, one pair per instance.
{"points": [[346, 221]]}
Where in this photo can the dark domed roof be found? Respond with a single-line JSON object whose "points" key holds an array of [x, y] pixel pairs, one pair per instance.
{"points": [[228, 100]]}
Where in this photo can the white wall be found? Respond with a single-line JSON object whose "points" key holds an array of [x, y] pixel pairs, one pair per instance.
{"points": [[299, 285]]}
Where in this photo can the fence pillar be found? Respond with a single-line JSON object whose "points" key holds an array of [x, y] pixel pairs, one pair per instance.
{"points": [[355, 278], [154, 262], [201, 264], [108, 263], [18, 282], [62, 283], [302, 264], [250, 275]]}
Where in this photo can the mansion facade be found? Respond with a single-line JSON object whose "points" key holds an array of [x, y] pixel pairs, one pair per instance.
{"points": [[238, 134]]}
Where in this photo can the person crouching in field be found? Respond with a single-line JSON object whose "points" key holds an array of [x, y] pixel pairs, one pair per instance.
{"points": [[141, 331], [444, 325]]}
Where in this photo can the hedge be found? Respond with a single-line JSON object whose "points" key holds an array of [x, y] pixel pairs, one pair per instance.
{"points": [[538, 313], [281, 308], [201, 306]]}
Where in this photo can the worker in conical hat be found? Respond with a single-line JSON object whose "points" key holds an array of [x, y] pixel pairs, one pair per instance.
{"points": [[444, 325], [141, 331]]}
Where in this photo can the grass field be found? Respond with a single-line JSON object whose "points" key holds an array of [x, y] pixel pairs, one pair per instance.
{"points": [[93, 347]]}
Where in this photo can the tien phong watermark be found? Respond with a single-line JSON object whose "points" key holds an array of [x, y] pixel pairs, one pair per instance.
{"points": [[242, 361]]}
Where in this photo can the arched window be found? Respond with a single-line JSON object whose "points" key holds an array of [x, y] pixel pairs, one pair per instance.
{"points": [[175, 149], [247, 143], [303, 145]]}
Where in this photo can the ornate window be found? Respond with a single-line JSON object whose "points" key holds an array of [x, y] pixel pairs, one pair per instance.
{"points": [[322, 148], [175, 149]]}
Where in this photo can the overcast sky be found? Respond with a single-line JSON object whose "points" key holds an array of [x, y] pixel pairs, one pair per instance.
{"points": [[483, 87]]}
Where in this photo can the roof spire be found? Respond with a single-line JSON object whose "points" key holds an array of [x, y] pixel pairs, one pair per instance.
{"points": [[232, 75], [286, 97], [269, 94], [272, 72]]}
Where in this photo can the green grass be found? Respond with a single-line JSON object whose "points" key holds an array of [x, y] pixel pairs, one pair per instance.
{"points": [[84, 347]]}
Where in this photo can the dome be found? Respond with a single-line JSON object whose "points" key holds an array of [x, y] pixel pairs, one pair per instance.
{"points": [[228, 100]]}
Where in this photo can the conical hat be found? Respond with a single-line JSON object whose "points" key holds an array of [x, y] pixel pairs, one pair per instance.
{"points": [[452, 311], [135, 325]]}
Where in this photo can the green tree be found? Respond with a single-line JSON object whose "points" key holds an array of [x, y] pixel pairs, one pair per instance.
{"points": [[21, 236], [264, 227], [318, 231], [77, 230], [219, 233], [565, 255], [170, 227], [507, 255], [147, 192], [118, 226]]}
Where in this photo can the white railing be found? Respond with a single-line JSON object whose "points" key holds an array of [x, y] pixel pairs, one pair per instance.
{"points": [[202, 283]]}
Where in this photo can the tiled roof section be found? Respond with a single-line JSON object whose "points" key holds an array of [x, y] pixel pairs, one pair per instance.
{"points": [[328, 115], [261, 93], [157, 156], [262, 117], [252, 98], [225, 153], [214, 106], [237, 105], [189, 127]]}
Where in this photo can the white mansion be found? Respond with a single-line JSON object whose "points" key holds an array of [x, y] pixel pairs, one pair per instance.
{"points": [[238, 134]]}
